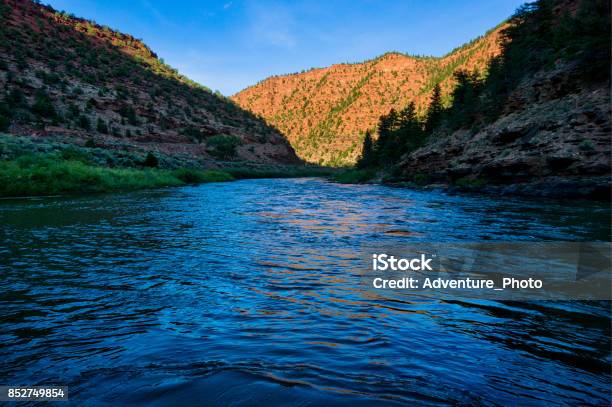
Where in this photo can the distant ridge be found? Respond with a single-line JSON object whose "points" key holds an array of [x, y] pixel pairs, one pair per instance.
{"points": [[324, 112]]}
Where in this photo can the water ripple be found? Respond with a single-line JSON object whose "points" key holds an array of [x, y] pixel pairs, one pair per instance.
{"points": [[247, 292]]}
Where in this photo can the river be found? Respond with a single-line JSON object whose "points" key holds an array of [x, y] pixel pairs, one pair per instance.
{"points": [[247, 292]]}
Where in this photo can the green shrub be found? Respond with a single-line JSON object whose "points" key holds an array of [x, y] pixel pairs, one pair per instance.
{"points": [[73, 153], [586, 145], [470, 183], [193, 133], [278, 172], [5, 122], [70, 170], [192, 176], [420, 179], [101, 126], [73, 111], [43, 106], [223, 146], [150, 161], [354, 176], [16, 98], [84, 122], [5, 116], [129, 113]]}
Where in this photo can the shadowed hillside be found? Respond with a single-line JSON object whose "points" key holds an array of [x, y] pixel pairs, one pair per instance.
{"points": [[538, 123], [72, 80], [325, 112]]}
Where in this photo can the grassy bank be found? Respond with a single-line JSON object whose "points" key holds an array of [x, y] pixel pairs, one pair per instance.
{"points": [[49, 174], [31, 167]]}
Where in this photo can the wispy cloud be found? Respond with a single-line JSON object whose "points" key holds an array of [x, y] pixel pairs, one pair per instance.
{"points": [[272, 24], [227, 5], [157, 14]]}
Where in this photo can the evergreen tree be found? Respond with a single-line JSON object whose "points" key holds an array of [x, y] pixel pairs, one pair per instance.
{"points": [[465, 98], [434, 112], [393, 119], [409, 135], [407, 117], [398, 133], [367, 158], [386, 125]]}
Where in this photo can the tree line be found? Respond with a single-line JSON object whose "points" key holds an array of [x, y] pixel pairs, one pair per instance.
{"points": [[538, 37]]}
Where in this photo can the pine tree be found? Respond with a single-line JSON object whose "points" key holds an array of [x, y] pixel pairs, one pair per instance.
{"points": [[386, 125], [393, 119], [434, 112], [367, 158], [407, 117], [409, 136]]}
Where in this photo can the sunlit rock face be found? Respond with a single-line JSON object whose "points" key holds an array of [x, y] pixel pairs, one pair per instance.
{"points": [[325, 112]]}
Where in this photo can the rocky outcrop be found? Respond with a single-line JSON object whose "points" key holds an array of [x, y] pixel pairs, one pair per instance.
{"points": [[552, 140]]}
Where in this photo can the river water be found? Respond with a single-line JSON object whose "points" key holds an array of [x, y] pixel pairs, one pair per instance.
{"points": [[247, 292]]}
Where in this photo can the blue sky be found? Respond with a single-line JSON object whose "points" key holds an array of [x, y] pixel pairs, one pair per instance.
{"points": [[231, 44]]}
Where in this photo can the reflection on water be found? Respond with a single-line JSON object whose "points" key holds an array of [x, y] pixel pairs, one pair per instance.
{"points": [[248, 292]]}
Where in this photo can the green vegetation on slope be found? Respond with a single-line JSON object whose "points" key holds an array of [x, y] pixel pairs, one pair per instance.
{"points": [[60, 73], [325, 113], [536, 39]]}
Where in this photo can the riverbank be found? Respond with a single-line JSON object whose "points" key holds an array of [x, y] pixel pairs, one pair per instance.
{"points": [[39, 167], [33, 175], [586, 188]]}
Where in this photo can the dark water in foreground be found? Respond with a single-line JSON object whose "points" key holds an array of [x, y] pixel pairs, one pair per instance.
{"points": [[247, 292]]}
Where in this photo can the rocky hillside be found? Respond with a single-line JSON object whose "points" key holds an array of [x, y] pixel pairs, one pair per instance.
{"points": [[72, 80], [540, 123], [553, 140], [325, 112]]}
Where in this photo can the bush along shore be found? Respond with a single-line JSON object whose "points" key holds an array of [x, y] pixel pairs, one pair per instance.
{"points": [[30, 167]]}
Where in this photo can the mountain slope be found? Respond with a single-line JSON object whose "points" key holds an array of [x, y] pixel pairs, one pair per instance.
{"points": [[540, 123], [325, 112], [75, 81]]}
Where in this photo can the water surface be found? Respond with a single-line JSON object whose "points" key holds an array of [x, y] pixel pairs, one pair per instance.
{"points": [[248, 292]]}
